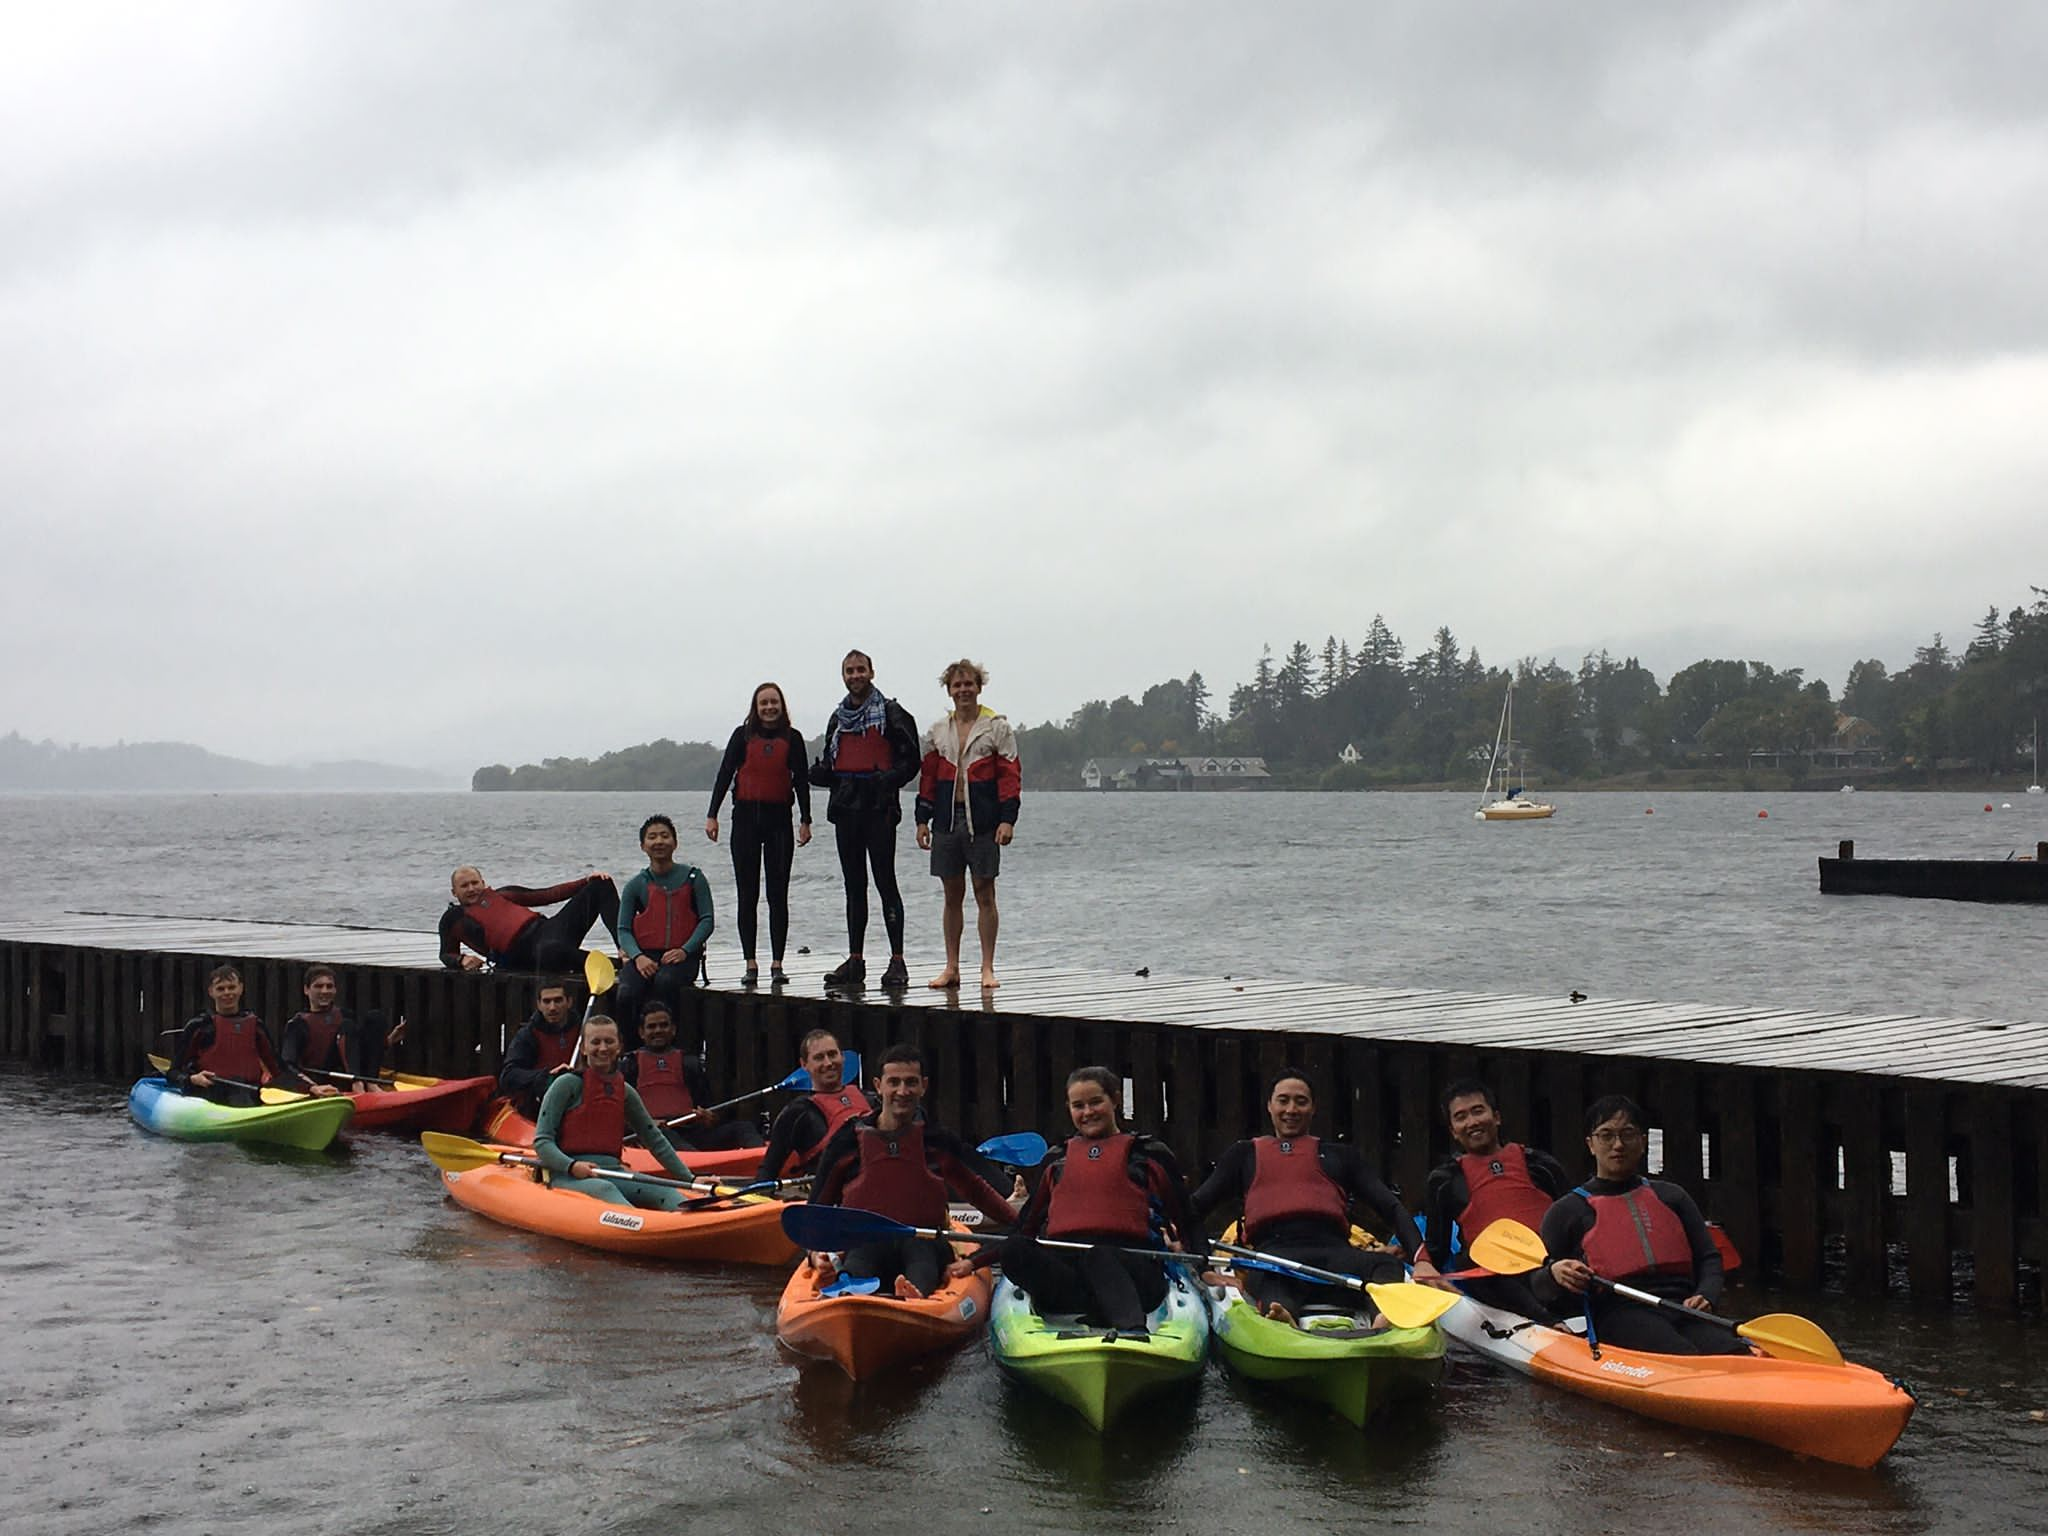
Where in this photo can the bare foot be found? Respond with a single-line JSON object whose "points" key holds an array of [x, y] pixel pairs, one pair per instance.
{"points": [[1278, 1313], [905, 1291], [988, 979], [945, 981]]}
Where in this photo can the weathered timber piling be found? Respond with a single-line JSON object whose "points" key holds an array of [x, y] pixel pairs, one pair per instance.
{"points": [[1794, 1126]]}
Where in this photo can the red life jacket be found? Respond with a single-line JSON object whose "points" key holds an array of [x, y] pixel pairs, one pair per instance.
{"points": [[894, 1180], [502, 921], [1500, 1189], [236, 1049], [1100, 1189], [764, 777], [1288, 1184], [668, 918], [552, 1049], [658, 1079], [863, 752], [839, 1106], [1635, 1234], [323, 1030], [597, 1126]]}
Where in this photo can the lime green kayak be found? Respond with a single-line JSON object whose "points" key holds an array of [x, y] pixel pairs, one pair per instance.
{"points": [[1328, 1357], [1095, 1372], [309, 1123]]}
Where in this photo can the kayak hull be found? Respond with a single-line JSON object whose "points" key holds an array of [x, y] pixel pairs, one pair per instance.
{"points": [[310, 1124], [1848, 1414], [867, 1335], [1094, 1372], [423, 1104], [1333, 1361], [746, 1231], [506, 1127]]}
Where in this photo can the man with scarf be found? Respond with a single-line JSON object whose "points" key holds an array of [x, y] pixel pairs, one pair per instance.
{"points": [[870, 753]]}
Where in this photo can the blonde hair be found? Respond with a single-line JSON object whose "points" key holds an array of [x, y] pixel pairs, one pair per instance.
{"points": [[953, 670]]}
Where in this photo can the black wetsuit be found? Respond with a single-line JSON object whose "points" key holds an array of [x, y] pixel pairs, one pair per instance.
{"points": [[801, 1125], [1445, 1199], [865, 809], [1631, 1324], [697, 1136], [198, 1035], [521, 1078], [922, 1260], [761, 835], [1312, 1241], [553, 942]]}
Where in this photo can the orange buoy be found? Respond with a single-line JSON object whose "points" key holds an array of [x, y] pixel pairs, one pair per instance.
{"points": [[1763, 815]]}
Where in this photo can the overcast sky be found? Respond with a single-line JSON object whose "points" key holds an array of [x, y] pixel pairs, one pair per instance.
{"points": [[450, 383]]}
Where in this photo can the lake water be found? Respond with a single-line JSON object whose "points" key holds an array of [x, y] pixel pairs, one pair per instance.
{"points": [[212, 1339]]}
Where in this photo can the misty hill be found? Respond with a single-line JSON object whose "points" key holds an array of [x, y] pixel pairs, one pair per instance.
{"points": [[179, 765], [662, 764]]}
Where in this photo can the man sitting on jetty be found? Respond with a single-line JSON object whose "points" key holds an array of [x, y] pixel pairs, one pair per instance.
{"points": [[1487, 1180], [800, 1132], [664, 922], [504, 930], [583, 1122], [671, 1084], [544, 1046], [328, 1045], [227, 1042]]}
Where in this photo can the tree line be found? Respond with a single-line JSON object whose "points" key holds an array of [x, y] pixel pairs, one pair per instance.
{"points": [[1430, 717]]}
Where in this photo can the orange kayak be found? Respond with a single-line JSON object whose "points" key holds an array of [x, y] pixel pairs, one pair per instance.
{"points": [[422, 1104], [867, 1335], [1847, 1414], [504, 1126], [747, 1231]]}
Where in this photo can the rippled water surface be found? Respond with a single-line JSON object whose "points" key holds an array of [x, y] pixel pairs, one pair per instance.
{"points": [[214, 1339]]}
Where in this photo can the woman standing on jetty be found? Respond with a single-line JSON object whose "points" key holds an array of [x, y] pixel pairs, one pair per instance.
{"points": [[765, 767]]}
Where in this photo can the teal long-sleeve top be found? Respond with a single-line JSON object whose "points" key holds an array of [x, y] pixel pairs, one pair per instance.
{"points": [[563, 1095], [633, 901]]}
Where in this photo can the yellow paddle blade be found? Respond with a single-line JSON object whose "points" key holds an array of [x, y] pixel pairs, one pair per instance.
{"points": [[281, 1096], [1408, 1305], [1790, 1337], [457, 1154], [599, 972], [1507, 1248], [159, 1063]]}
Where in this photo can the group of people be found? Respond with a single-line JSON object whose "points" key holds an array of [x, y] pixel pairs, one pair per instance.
{"points": [[226, 1052], [1120, 1193], [969, 787]]}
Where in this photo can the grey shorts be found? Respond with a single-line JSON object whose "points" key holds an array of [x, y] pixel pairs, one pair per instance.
{"points": [[954, 853]]}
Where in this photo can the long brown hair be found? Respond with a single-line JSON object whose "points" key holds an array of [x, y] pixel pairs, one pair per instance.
{"points": [[754, 725]]}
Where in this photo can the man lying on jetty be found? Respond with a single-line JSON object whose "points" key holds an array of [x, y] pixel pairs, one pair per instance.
{"points": [[543, 1047], [227, 1041], [330, 1046], [671, 1084], [1487, 1180], [504, 930], [581, 1129]]}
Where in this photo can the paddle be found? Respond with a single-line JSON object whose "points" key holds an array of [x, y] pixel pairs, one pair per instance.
{"points": [[264, 1095], [1507, 1247], [1402, 1303], [800, 1080], [829, 1228], [1019, 1149], [458, 1154], [599, 976]]}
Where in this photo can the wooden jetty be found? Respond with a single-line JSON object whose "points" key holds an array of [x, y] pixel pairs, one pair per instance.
{"points": [[1823, 1141], [1938, 879]]}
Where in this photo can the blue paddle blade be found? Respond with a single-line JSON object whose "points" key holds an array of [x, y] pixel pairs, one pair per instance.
{"points": [[852, 1285], [800, 1080], [828, 1228], [1019, 1149]]}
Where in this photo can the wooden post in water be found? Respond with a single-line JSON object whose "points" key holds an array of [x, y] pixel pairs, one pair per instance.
{"points": [[1846, 848]]}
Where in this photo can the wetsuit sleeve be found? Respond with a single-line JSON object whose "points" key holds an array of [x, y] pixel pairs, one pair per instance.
{"points": [[835, 1166], [1565, 1226], [642, 1125], [1547, 1173], [196, 1036], [1443, 1198], [453, 936], [1227, 1181], [927, 784], [520, 1077], [728, 767], [1171, 1190], [1706, 1257], [291, 1046], [632, 901], [563, 1095], [822, 773], [1030, 1219], [797, 1126], [1366, 1187], [525, 896], [904, 758], [800, 775], [266, 1053], [700, 895], [699, 1084], [973, 1188], [1009, 773]]}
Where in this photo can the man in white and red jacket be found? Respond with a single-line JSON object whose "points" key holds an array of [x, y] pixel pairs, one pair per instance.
{"points": [[968, 791]]}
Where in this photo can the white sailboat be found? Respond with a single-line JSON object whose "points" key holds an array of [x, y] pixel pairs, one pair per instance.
{"points": [[1504, 800]]}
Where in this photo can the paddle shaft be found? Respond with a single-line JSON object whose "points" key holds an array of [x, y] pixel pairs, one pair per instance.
{"points": [[871, 1227], [765, 1186], [1294, 1266], [1733, 1325]]}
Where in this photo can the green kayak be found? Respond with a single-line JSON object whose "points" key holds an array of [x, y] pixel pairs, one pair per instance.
{"points": [[1094, 1372], [309, 1123], [1328, 1357]]}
